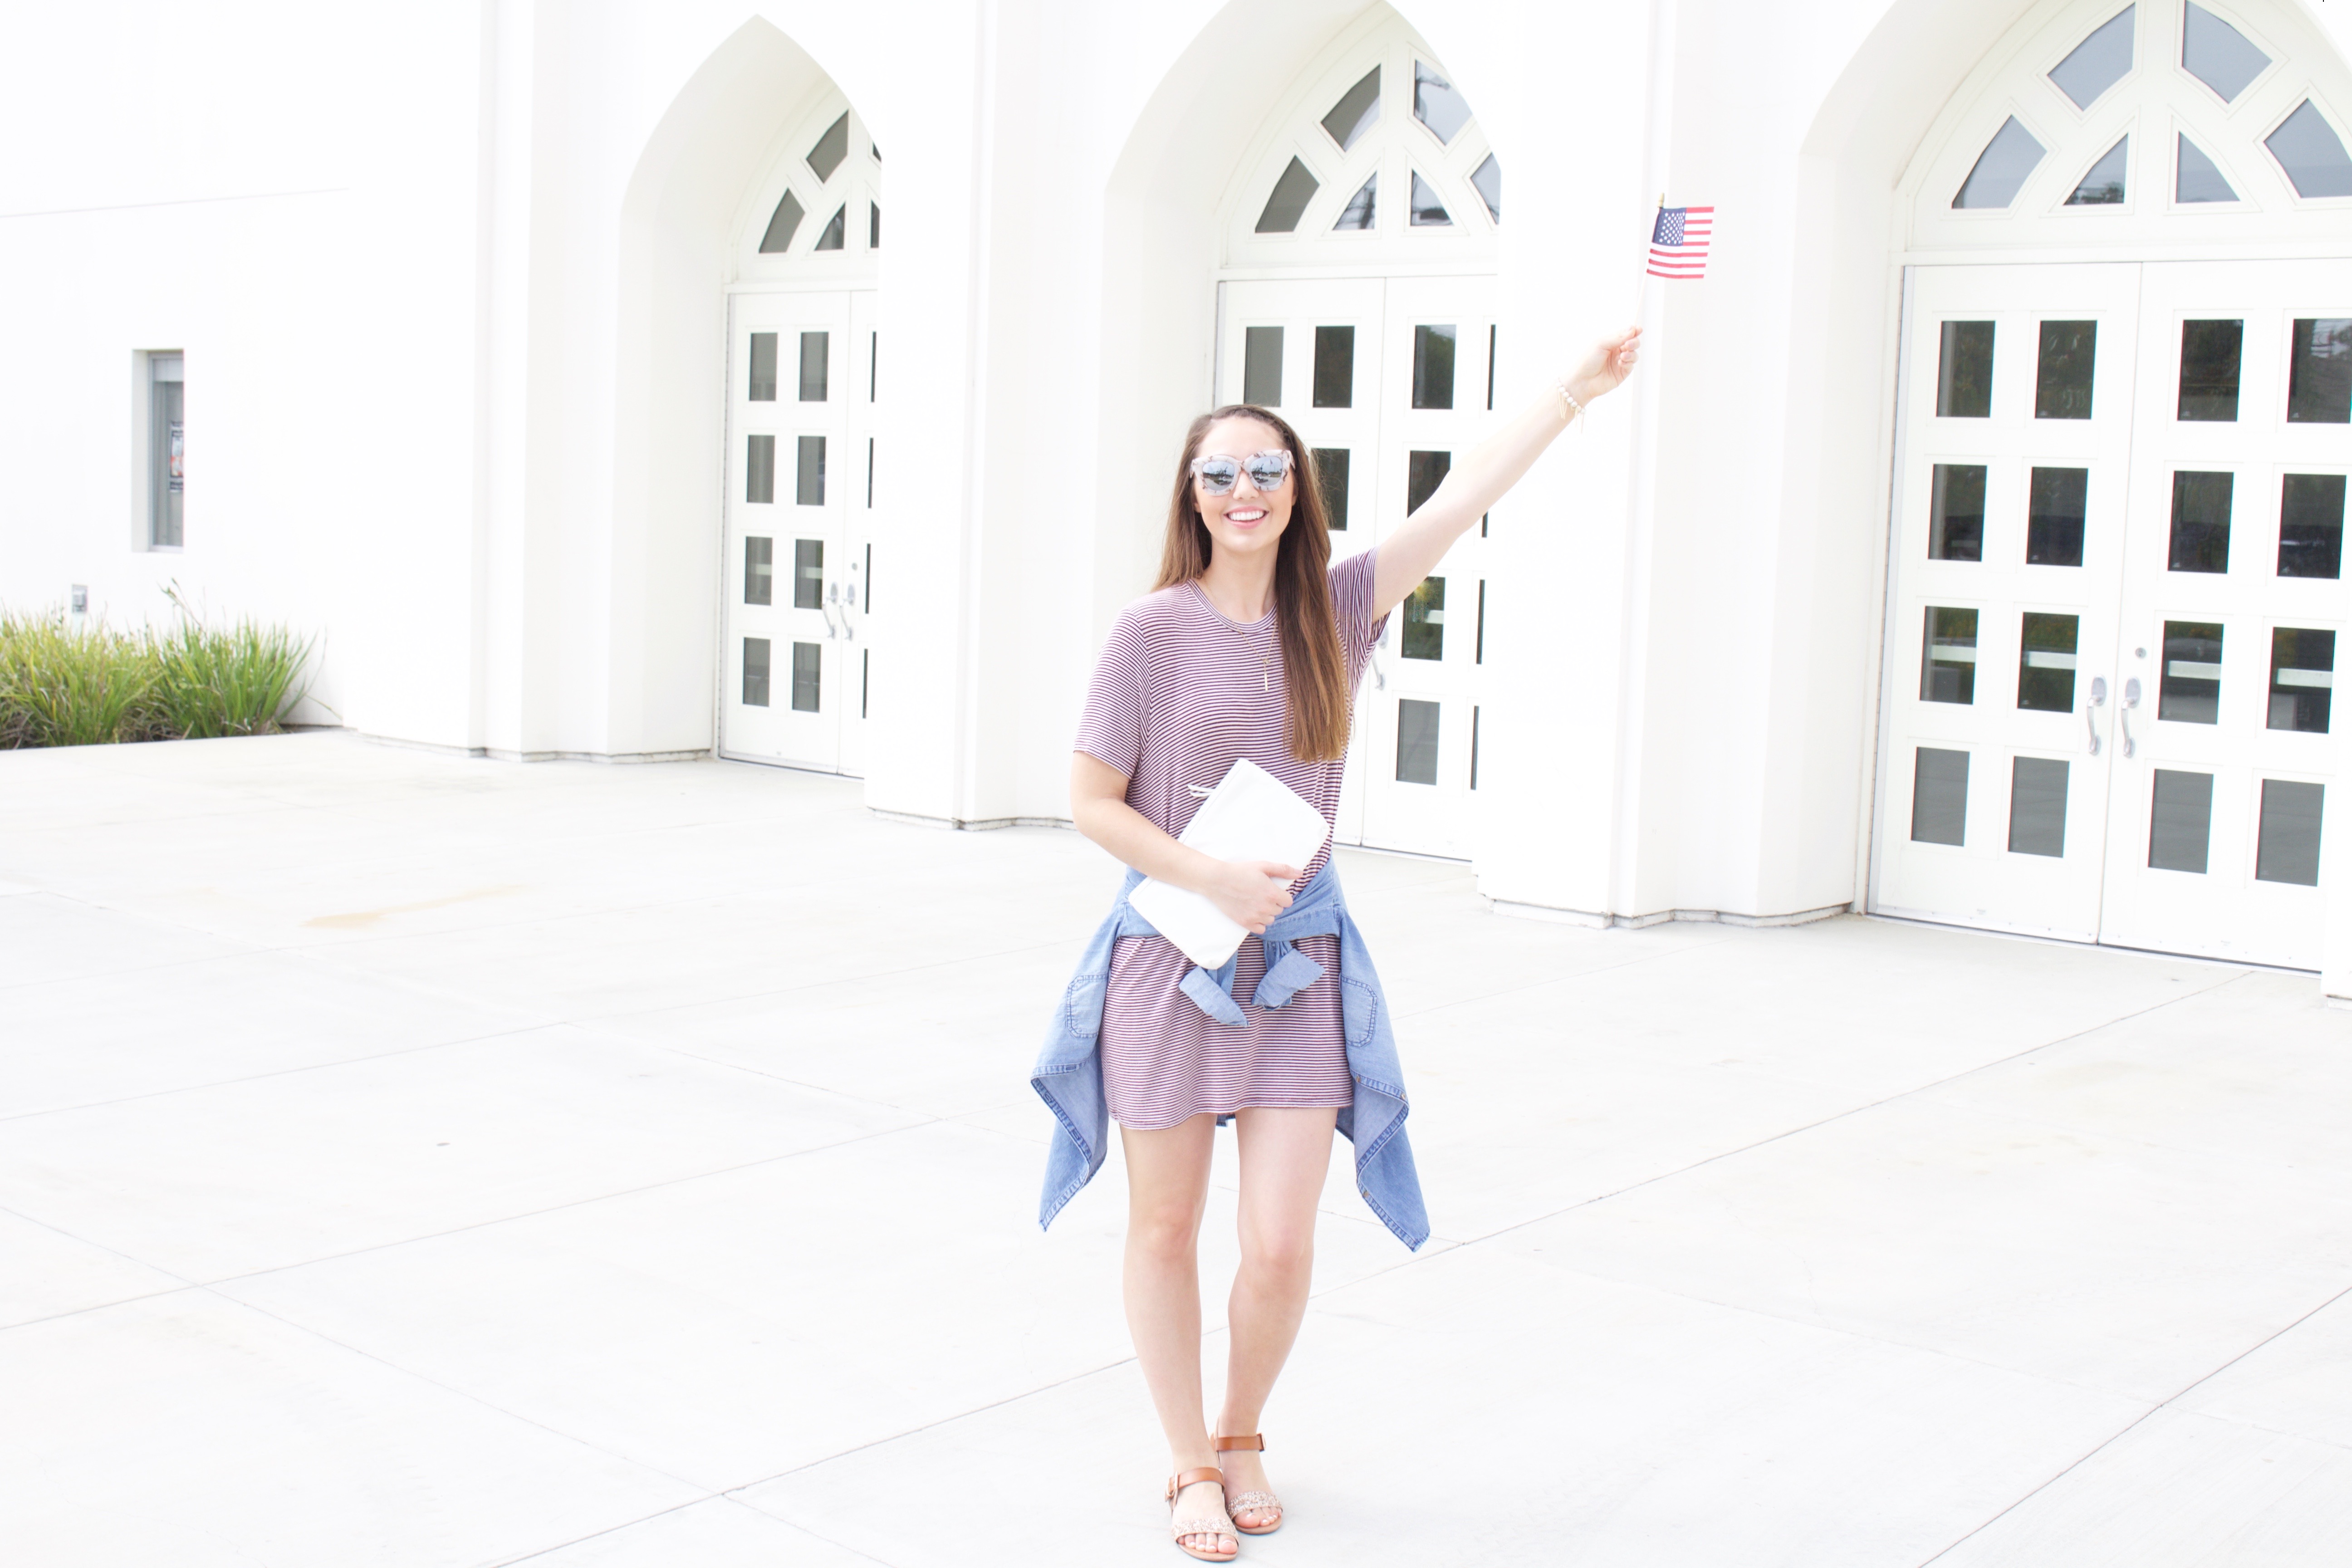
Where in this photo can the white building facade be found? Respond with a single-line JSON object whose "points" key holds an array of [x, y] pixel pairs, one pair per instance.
{"points": [[1968, 549]]}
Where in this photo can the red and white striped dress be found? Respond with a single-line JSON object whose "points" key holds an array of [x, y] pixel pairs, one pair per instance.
{"points": [[1178, 694]]}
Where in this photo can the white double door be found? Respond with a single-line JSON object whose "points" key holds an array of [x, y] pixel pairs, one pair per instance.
{"points": [[2116, 597], [1386, 379], [795, 661]]}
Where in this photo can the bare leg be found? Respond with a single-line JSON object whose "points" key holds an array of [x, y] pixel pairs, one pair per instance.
{"points": [[1167, 1191], [1285, 1155]]}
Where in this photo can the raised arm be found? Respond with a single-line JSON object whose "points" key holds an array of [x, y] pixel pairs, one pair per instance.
{"points": [[1246, 890], [1474, 484]]}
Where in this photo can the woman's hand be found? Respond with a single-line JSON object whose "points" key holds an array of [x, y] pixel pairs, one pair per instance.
{"points": [[1605, 370], [1249, 892]]}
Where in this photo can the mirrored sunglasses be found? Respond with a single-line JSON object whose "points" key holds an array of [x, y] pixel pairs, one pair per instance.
{"points": [[1218, 475]]}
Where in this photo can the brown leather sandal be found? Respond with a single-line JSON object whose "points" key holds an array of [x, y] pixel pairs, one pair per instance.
{"points": [[1251, 1502], [1218, 1523]]}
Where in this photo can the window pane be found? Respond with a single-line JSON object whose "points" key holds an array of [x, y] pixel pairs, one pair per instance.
{"points": [[2098, 62], [2104, 185], [1487, 179], [787, 219], [831, 149], [1427, 211], [810, 488], [1334, 367], [167, 452], [2200, 522], [2208, 369], [808, 574], [2288, 847], [755, 673], [2319, 384], [1435, 103], [2037, 807], [1432, 367], [1956, 512], [1478, 648], [763, 367], [2055, 514], [2303, 678], [1948, 658], [2045, 673], [1291, 194], [2196, 179], [1424, 620], [1332, 480], [1356, 112], [2311, 153], [2311, 526], [759, 571], [836, 230], [1474, 747], [1361, 210], [2180, 821], [1262, 366], [2216, 54], [808, 669], [760, 469], [1964, 372], [816, 360], [1939, 797], [1424, 472], [873, 225], [2062, 385], [1416, 758], [2001, 168], [2191, 692]]}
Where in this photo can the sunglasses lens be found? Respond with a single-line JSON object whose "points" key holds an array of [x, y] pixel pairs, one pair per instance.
{"points": [[1266, 473], [1218, 475]]}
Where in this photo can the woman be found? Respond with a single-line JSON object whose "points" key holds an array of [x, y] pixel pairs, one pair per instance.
{"points": [[1250, 646]]}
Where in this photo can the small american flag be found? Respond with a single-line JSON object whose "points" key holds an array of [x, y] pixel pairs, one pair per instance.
{"points": [[1678, 245]]}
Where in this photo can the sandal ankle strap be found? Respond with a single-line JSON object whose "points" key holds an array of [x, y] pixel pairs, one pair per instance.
{"points": [[1193, 1478], [1252, 1441]]}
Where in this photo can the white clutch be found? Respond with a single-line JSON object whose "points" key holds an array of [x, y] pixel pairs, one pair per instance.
{"points": [[1250, 815]]}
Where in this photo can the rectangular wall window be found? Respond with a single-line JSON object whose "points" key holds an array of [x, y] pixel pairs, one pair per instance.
{"points": [[2190, 692], [2287, 849], [809, 483], [1956, 512], [1478, 650], [1424, 472], [2056, 510], [1416, 756], [759, 571], [1964, 372], [1262, 366], [2303, 678], [808, 668], [1432, 367], [166, 452], [760, 470], [2046, 672], [755, 673], [2319, 382], [2311, 526], [816, 366], [2063, 380], [1332, 480], [763, 367], [1424, 620], [2210, 353], [1948, 662], [2180, 821], [864, 679], [2037, 807], [808, 574], [1939, 797], [2200, 522], [1334, 367]]}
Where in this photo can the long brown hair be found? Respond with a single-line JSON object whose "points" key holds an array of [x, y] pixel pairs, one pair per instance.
{"points": [[1314, 673]]}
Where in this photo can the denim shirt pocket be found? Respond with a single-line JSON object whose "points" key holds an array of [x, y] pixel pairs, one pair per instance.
{"points": [[1082, 1005], [1360, 1009]]}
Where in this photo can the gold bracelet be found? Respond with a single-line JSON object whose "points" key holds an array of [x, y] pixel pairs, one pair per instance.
{"points": [[1569, 407]]}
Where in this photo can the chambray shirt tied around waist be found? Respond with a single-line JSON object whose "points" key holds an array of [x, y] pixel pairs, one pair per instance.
{"points": [[1068, 1073]]}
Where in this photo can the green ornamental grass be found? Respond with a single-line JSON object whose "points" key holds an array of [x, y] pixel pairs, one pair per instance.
{"points": [[66, 686]]}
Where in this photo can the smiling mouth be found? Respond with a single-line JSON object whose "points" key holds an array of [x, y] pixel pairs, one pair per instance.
{"points": [[1244, 516]]}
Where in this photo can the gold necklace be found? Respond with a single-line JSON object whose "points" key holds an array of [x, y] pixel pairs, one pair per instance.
{"points": [[1264, 664]]}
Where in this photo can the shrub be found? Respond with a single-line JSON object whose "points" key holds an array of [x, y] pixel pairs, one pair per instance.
{"points": [[66, 686]]}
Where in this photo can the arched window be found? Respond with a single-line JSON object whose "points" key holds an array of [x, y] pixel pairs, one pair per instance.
{"points": [[818, 212]]}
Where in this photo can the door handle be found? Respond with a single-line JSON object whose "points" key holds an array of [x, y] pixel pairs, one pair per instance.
{"points": [[1379, 675], [2098, 699], [2123, 714], [833, 603]]}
